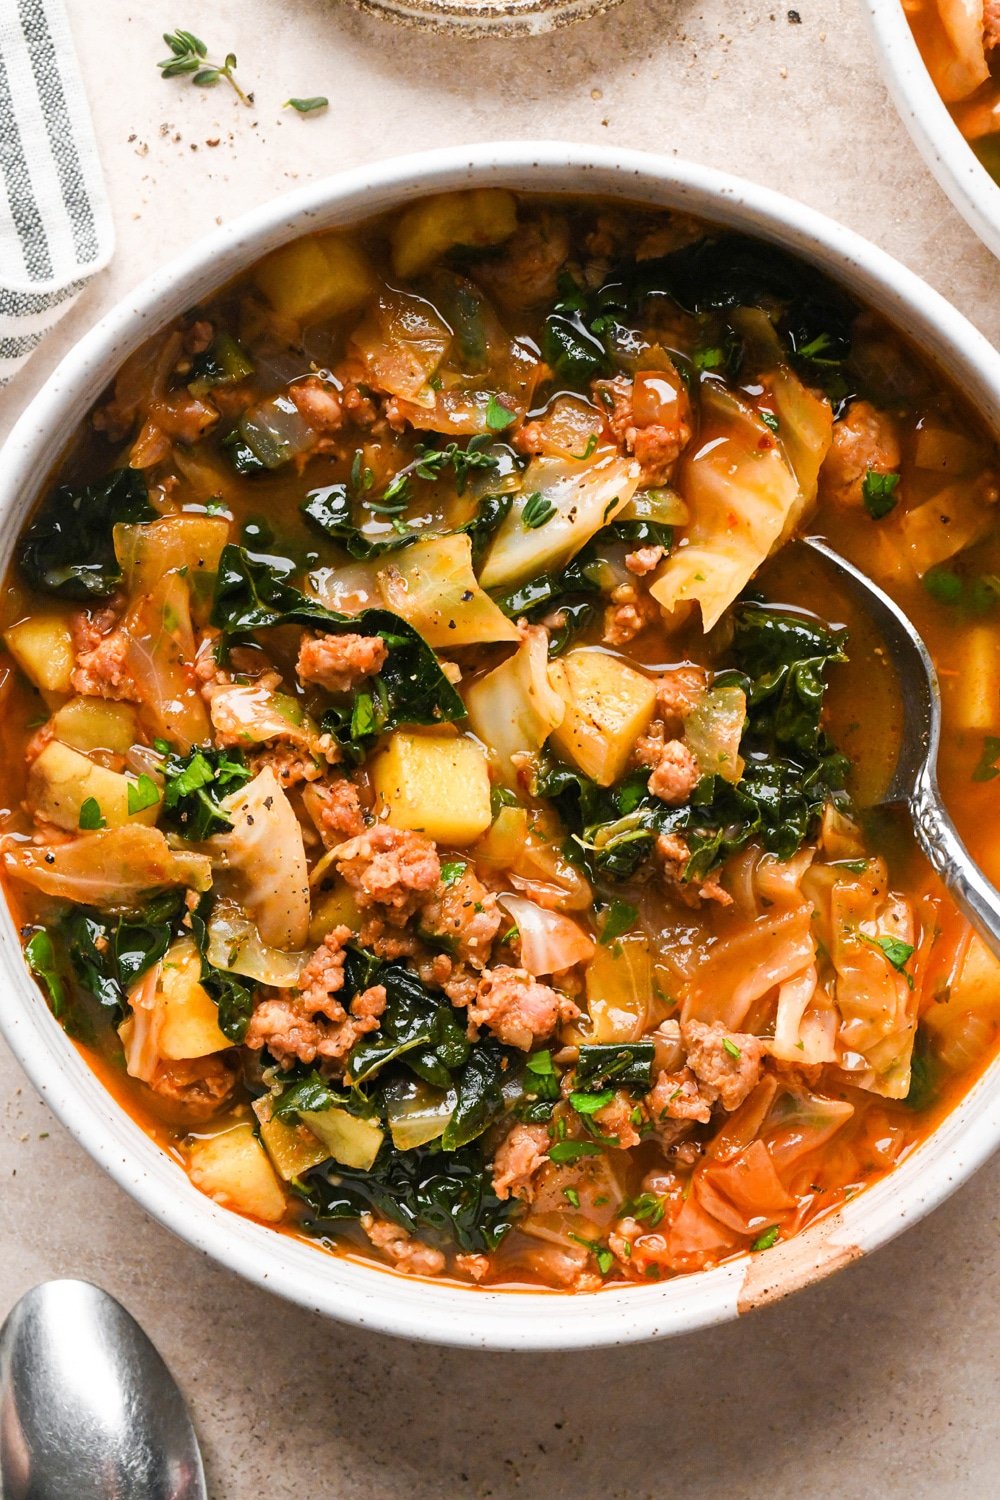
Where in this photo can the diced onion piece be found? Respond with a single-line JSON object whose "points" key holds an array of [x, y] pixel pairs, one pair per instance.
{"points": [[432, 585], [619, 989], [275, 431], [147, 550], [417, 1113], [713, 731], [550, 942], [234, 944], [583, 496], [401, 341]]}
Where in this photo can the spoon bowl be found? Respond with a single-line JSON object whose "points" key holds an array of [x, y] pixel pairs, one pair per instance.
{"points": [[914, 784], [88, 1409]]}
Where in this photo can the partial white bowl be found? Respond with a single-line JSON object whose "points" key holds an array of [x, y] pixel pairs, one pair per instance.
{"points": [[493, 18], [350, 1289], [942, 145]]}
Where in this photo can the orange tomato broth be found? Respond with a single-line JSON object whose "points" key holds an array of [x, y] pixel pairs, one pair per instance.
{"points": [[942, 442], [966, 76]]}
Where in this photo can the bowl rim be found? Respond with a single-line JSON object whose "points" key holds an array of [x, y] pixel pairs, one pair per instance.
{"points": [[347, 1287], [958, 171]]}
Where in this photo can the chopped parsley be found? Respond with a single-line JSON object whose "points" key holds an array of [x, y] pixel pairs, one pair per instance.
{"points": [[986, 766], [618, 918], [564, 1151], [142, 794], [91, 816], [572, 1196], [498, 416], [451, 871], [879, 493], [728, 1045], [767, 1239], [896, 952]]}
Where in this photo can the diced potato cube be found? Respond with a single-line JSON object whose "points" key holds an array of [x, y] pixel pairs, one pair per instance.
{"points": [[608, 705], [292, 1148], [95, 724], [434, 785], [43, 649], [61, 780], [316, 278], [233, 1169], [482, 216], [189, 1025], [347, 1138], [974, 693]]}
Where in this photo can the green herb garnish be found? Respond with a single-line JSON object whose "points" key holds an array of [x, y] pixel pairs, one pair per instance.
{"points": [[767, 1239], [879, 493], [142, 794], [189, 55], [91, 816], [307, 106], [537, 511]]}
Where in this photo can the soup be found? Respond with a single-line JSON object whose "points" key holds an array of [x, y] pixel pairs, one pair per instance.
{"points": [[440, 788], [960, 43]]}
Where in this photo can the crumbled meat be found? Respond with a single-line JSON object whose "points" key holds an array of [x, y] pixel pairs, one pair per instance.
{"points": [[476, 1266], [290, 763], [518, 1158], [464, 916], [318, 403], [628, 615], [517, 1008], [678, 693], [650, 416], [727, 1064], [675, 774], [991, 25], [526, 274], [441, 971], [387, 942], [530, 438], [674, 854], [313, 1023], [339, 662], [335, 808], [391, 868], [644, 559], [103, 672], [199, 1086], [676, 1096], [617, 1120], [406, 1253], [198, 337], [864, 440]]}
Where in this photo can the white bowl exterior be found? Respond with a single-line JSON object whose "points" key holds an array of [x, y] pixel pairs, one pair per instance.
{"points": [[347, 1288], [958, 170]]}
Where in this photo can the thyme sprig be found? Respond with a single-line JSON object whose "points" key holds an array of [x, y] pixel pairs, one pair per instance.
{"points": [[189, 55]]}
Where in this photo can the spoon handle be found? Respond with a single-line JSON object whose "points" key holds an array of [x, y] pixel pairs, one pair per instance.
{"points": [[977, 897]]}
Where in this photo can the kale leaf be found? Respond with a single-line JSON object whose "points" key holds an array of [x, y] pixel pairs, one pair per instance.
{"points": [[411, 688], [69, 547], [194, 787], [419, 1027], [89, 953], [443, 1196], [329, 510], [615, 1065]]}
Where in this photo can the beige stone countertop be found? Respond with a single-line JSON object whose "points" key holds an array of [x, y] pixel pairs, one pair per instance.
{"points": [[880, 1382]]}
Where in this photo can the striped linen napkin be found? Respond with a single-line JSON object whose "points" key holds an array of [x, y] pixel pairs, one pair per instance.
{"points": [[55, 223]]}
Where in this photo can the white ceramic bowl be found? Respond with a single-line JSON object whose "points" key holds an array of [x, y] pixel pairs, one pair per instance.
{"points": [[958, 170], [353, 1290]]}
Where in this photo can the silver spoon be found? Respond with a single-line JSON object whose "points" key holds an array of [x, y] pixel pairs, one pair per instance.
{"points": [[88, 1409], [914, 783]]}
